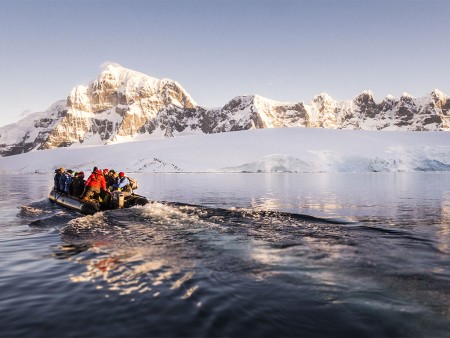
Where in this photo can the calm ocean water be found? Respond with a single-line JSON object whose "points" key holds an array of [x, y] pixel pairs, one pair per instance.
{"points": [[238, 255]]}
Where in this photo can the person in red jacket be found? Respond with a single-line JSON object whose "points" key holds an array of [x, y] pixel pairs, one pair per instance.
{"points": [[94, 185]]}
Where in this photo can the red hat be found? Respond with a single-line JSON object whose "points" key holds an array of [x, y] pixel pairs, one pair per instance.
{"points": [[81, 173], [105, 170], [121, 174]]}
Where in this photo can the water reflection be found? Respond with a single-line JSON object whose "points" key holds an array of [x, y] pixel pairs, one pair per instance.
{"points": [[134, 270], [267, 203], [135, 251]]}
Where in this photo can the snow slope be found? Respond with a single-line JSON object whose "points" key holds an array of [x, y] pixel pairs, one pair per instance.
{"points": [[262, 150]]}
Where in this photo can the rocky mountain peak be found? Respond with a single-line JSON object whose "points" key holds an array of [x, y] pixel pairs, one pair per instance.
{"points": [[172, 92], [438, 97], [119, 86], [406, 97], [323, 102], [322, 97], [388, 103], [115, 73], [239, 102], [365, 98]]}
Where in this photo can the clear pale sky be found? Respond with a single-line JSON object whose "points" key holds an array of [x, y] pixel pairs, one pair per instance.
{"points": [[283, 50]]}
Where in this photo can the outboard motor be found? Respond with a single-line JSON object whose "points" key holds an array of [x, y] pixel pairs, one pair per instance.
{"points": [[119, 199]]}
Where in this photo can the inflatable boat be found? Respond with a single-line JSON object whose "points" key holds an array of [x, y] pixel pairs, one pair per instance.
{"points": [[90, 207]]}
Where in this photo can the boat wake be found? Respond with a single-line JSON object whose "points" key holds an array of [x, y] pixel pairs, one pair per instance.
{"points": [[133, 225]]}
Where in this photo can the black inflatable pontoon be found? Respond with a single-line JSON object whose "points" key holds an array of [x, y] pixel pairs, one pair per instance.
{"points": [[90, 207]]}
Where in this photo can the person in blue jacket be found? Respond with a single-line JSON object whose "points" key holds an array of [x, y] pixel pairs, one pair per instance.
{"points": [[123, 184], [62, 181], [69, 179]]}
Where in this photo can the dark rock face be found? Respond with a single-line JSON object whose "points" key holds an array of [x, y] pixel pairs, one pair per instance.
{"points": [[405, 111], [122, 103], [367, 106]]}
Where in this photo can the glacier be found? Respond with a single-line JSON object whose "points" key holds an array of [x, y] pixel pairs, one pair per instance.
{"points": [[285, 150]]}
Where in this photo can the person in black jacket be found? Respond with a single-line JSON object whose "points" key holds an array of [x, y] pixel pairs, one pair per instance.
{"points": [[78, 184], [58, 173], [111, 179]]}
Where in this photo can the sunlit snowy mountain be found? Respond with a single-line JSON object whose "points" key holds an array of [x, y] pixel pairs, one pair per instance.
{"points": [[124, 105]]}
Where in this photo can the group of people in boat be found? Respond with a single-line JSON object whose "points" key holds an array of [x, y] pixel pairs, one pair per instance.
{"points": [[100, 185]]}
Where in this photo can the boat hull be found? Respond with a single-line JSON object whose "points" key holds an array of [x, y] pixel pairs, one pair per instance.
{"points": [[91, 207]]}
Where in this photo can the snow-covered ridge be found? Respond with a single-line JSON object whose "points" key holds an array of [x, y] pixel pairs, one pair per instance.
{"points": [[123, 105]]}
